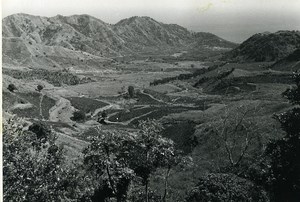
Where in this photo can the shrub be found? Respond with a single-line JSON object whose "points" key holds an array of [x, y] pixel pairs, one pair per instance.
{"points": [[35, 175], [39, 88], [11, 87], [225, 187], [285, 152], [131, 91]]}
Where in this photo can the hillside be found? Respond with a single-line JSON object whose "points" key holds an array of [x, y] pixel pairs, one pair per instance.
{"points": [[85, 41], [289, 63], [265, 47], [140, 108], [145, 31]]}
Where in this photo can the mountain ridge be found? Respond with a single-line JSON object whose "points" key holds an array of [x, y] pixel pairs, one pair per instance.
{"points": [[34, 36]]}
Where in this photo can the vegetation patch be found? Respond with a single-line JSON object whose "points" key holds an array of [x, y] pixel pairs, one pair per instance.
{"points": [[182, 133], [187, 76], [57, 78], [86, 105], [126, 115], [161, 112], [41, 105]]}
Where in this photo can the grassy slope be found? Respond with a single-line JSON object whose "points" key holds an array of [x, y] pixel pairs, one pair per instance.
{"points": [[86, 104]]}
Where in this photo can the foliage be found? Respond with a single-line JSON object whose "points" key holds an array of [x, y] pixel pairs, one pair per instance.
{"points": [[39, 88], [186, 76], [293, 94], [42, 133], [131, 91], [265, 47], [285, 153], [57, 78], [236, 136], [33, 165], [118, 158], [151, 151], [225, 187], [11, 87], [182, 133], [105, 155], [138, 195]]}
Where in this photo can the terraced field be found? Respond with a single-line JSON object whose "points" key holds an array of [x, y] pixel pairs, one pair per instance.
{"points": [[40, 105], [86, 104]]}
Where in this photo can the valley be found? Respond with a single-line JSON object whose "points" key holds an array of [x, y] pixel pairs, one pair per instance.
{"points": [[194, 84]]}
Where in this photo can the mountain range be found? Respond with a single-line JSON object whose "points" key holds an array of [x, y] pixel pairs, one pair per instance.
{"points": [[82, 39]]}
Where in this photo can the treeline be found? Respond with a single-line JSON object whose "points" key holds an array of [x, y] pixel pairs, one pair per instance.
{"points": [[57, 78], [215, 78], [186, 76]]}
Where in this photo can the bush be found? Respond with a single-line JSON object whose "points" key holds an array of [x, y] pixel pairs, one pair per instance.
{"points": [[11, 87], [285, 153], [39, 88], [225, 187], [31, 174], [57, 78], [131, 91]]}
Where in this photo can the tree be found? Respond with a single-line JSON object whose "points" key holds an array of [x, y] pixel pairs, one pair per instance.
{"points": [[225, 187], [131, 91], [151, 151], [105, 156], [119, 158], [236, 136], [42, 134], [285, 152], [33, 165], [11, 87], [39, 88]]}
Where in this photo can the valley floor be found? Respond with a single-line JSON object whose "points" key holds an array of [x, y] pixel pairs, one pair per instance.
{"points": [[186, 106]]}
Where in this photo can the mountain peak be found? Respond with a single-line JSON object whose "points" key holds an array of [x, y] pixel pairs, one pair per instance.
{"points": [[135, 19]]}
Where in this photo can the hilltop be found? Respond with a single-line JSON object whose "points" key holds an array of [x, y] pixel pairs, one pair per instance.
{"points": [[264, 47]]}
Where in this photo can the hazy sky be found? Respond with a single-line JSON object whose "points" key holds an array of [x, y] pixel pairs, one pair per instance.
{"points": [[235, 20]]}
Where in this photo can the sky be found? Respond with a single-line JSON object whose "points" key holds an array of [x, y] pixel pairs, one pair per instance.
{"points": [[234, 20]]}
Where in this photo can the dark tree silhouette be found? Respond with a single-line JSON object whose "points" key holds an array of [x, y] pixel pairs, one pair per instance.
{"points": [[11, 87], [285, 152], [39, 88], [131, 91]]}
